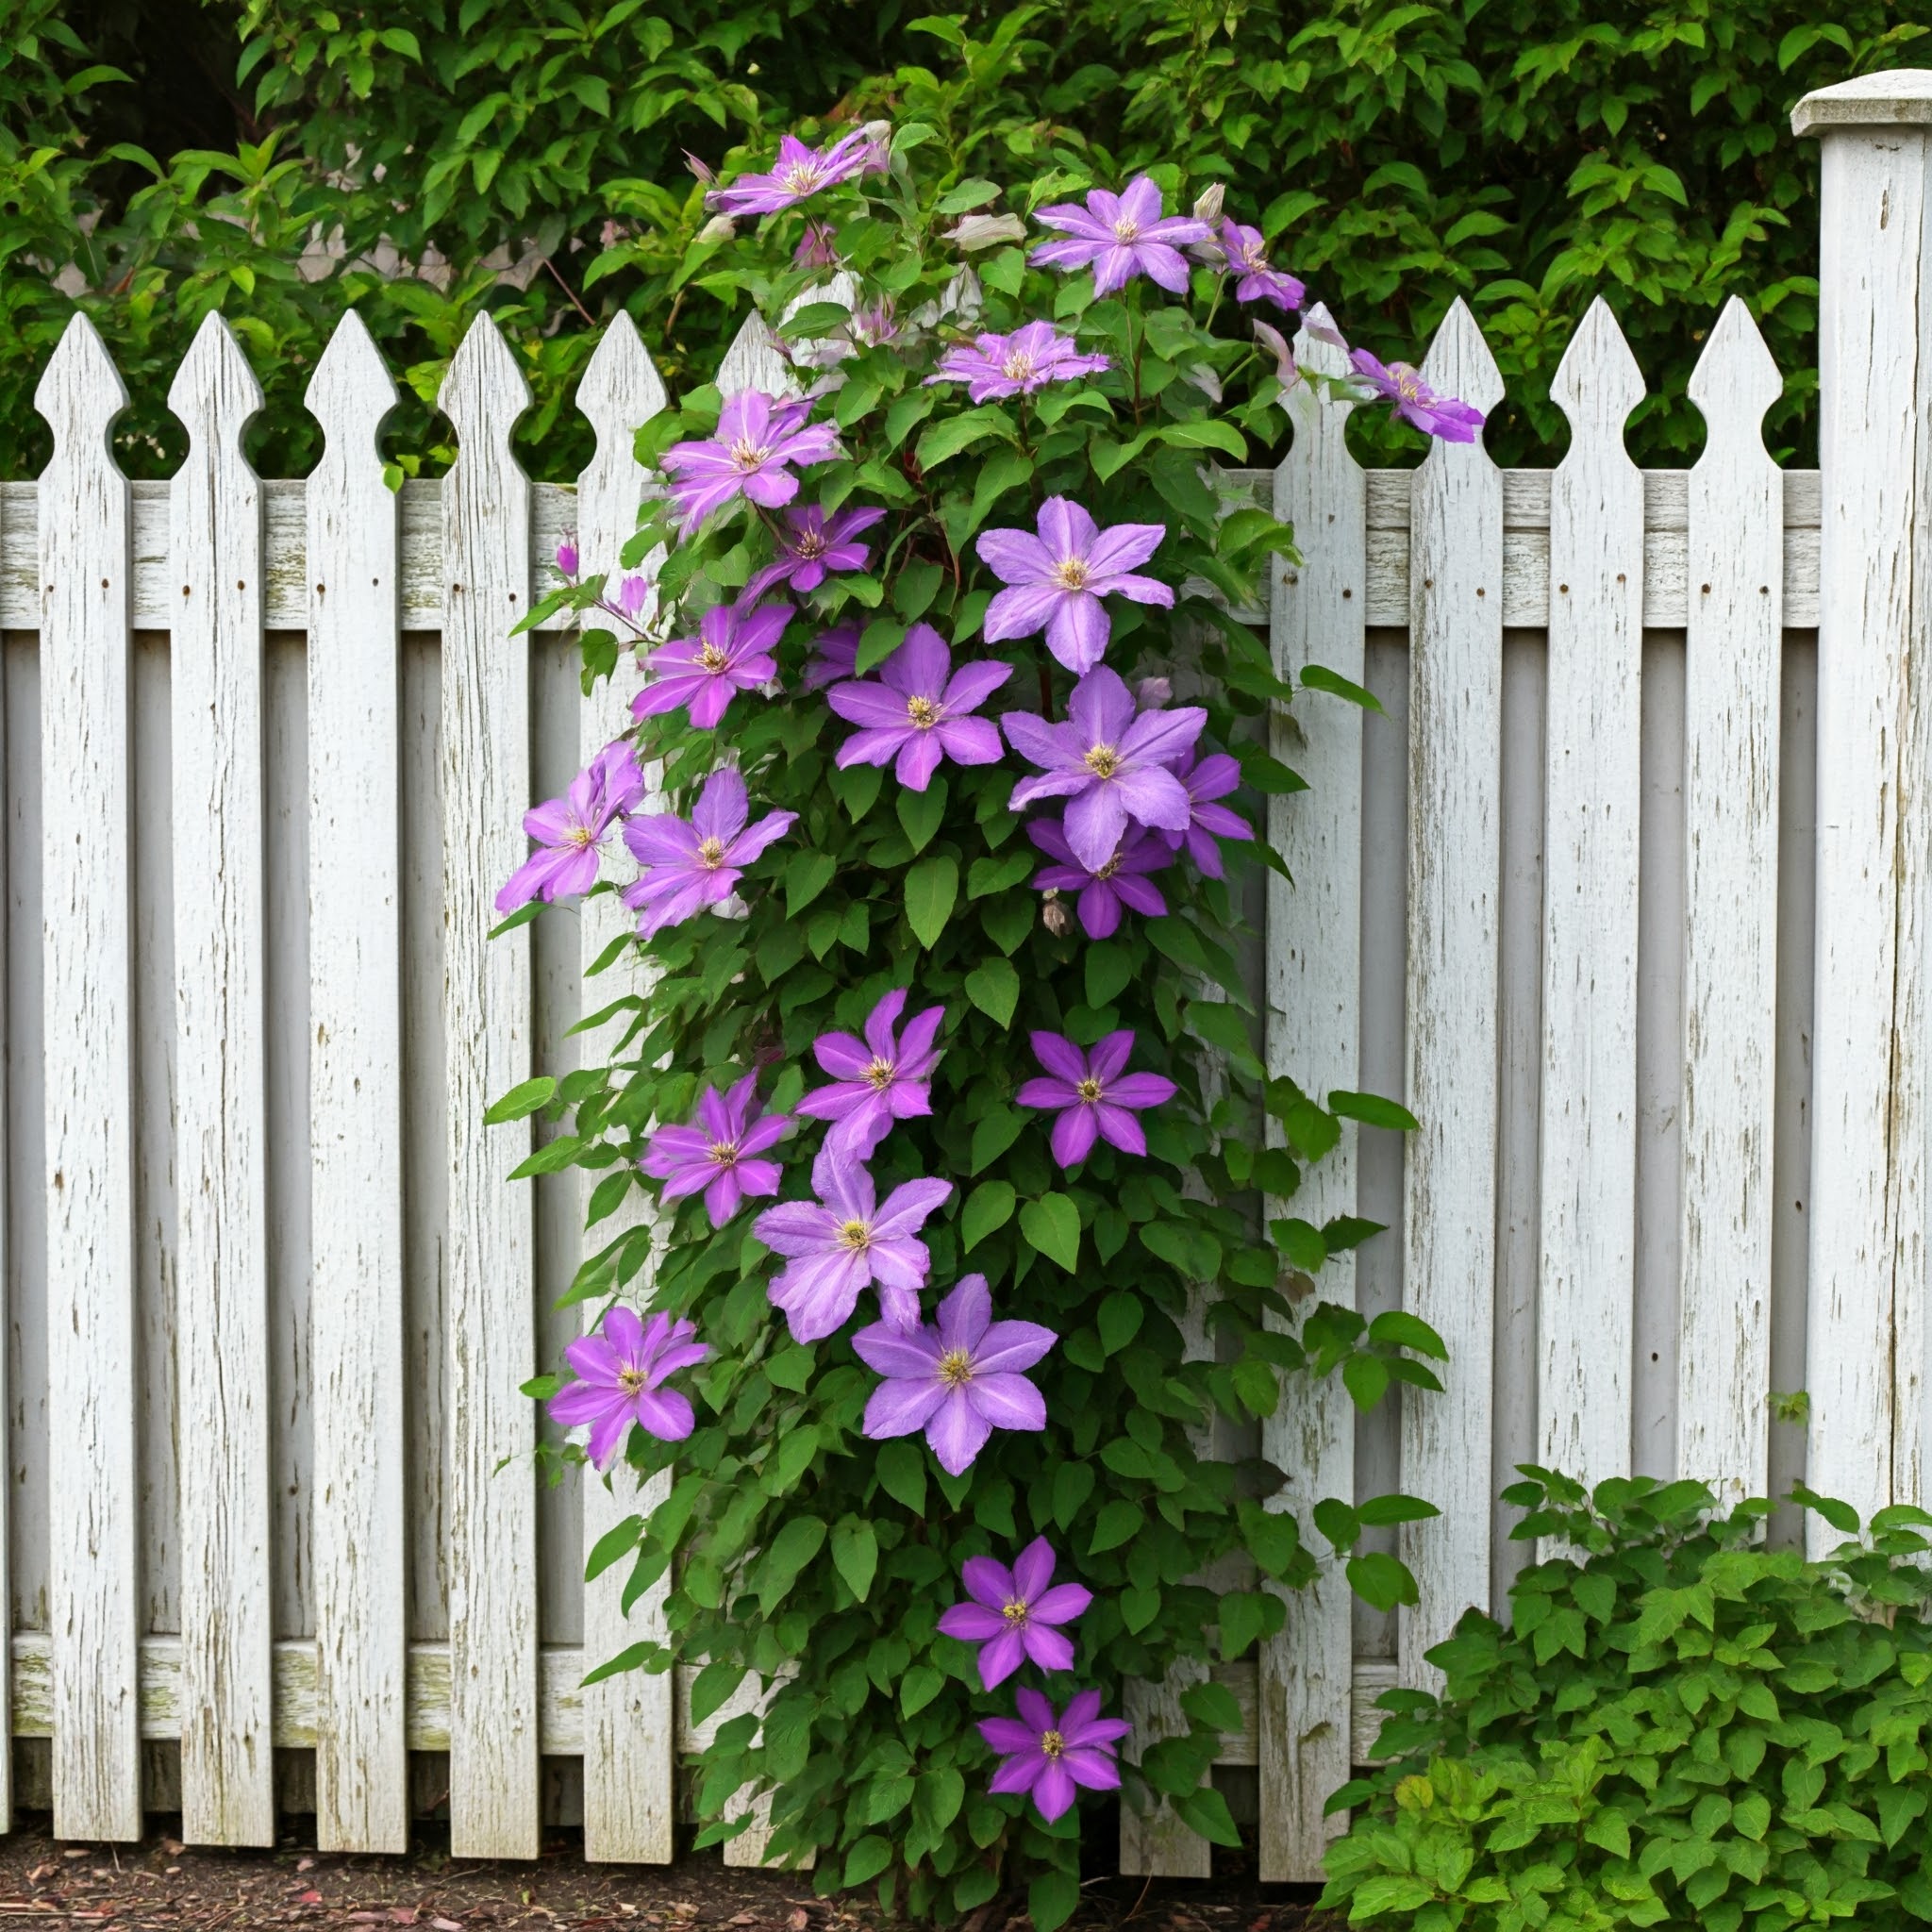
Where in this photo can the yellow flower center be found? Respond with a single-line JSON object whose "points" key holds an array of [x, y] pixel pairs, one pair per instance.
{"points": [[801, 178], [748, 456], [922, 712], [712, 854], [1018, 367], [1408, 381], [712, 659], [580, 835], [632, 1381], [1088, 1089], [880, 1075], [955, 1368], [1125, 228], [1051, 1744], [854, 1235], [812, 543], [1014, 1614], [1103, 760], [723, 1151], [1071, 573], [1112, 866]]}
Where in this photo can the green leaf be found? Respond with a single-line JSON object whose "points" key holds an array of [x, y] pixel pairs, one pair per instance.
{"points": [[790, 1550], [866, 1860], [919, 1686], [806, 875], [712, 1688], [617, 1542], [989, 1207], [1373, 1111], [1206, 1810], [920, 812], [932, 889], [1243, 1616], [1381, 1580], [1206, 433], [945, 440], [1052, 1225], [1319, 677], [1213, 1705], [1050, 1900], [968, 194], [1404, 1330], [521, 1101], [1117, 1522], [993, 987], [856, 1555], [993, 1135], [902, 1473], [1119, 1320]]}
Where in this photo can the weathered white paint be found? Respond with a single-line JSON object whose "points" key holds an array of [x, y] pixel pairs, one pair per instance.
{"points": [[1732, 664], [355, 1126], [1866, 1343], [1589, 1156], [627, 1718], [1313, 1037], [89, 1049], [1455, 878], [487, 1018]]}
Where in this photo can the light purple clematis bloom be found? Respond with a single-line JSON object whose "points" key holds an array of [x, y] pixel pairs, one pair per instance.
{"points": [[818, 248], [959, 1379], [917, 711], [1248, 257], [1415, 402], [847, 1241], [1017, 364], [759, 438], [620, 1377], [1047, 1758], [885, 1078], [1121, 881], [691, 864], [1213, 778], [798, 173], [732, 652], [811, 545], [567, 558], [717, 1154], [1110, 762], [1096, 1097], [834, 655], [1057, 579], [1013, 1611], [1120, 235], [572, 829]]}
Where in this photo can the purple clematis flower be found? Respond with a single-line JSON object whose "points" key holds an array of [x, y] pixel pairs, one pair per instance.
{"points": [[620, 1377], [818, 248], [691, 864], [1121, 881], [918, 709], [811, 545], [1415, 402], [717, 1154], [759, 438], [1013, 1611], [1017, 364], [1047, 1756], [884, 1078], [847, 1241], [959, 1379], [1120, 235], [798, 173], [632, 595], [1057, 579], [572, 829], [834, 655], [732, 652], [567, 558], [1108, 762], [1248, 257], [1096, 1097], [1213, 778]]}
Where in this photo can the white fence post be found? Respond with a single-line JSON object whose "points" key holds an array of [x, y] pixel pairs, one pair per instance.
{"points": [[1866, 1338]]}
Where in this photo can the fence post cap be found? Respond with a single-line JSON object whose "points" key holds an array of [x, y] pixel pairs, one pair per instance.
{"points": [[1900, 97]]}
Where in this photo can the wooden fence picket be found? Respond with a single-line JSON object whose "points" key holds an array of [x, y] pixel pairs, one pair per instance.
{"points": [[1733, 661], [1314, 1037], [1454, 877], [488, 1017], [86, 569], [1589, 1159], [356, 1115]]}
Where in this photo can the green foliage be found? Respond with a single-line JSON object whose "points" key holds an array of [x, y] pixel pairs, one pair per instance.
{"points": [[1679, 1728]]}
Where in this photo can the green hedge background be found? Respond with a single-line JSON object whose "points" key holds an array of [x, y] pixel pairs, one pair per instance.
{"points": [[162, 157]]}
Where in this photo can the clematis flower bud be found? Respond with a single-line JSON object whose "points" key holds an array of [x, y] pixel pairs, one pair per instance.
{"points": [[1055, 917], [1208, 207], [719, 228]]}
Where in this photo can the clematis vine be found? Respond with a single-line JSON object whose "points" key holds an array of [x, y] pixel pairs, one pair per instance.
{"points": [[1260, 282], [1120, 235], [958, 1378], [878, 1080], [798, 173], [1094, 1093], [1055, 579], [572, 829], [1031, 357], [1110, 762], [721, 1153], [700, 675], [759, 441], [691, 864], [1047, 1758], [1013, 1613], [1212, 777], [621, 1373], [811, 545], [847, 1241], [1122, 882], [1414, 402], [919, 710]]}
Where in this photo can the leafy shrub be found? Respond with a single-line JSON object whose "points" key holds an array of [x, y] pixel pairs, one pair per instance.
{"points": [[1680, 1727]]}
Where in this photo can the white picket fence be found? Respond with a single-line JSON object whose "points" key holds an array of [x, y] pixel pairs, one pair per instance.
{"points": [[266, 746]]}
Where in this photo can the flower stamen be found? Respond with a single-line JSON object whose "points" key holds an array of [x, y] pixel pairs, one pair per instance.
{"points": [[955, 1368], [1103, 760], [922, 712]]}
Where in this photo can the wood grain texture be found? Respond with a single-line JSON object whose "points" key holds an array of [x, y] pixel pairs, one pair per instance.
{"points": [[8, 1258], [1588, 1151], [1865, 1332], [89, 1048], [355, 1126], [1454, 881], [488, 1021], [1313, 1037], [629, 1758], [1731, 691]]}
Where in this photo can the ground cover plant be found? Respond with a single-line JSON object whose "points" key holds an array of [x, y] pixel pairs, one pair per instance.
{"points": [[944, 1086]]}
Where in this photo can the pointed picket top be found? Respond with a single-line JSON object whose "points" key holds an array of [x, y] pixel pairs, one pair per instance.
{"points": [[1320, 419], [351, 393], [620, 388], [483, 391], [1735, 381], [214, 391], [81, 393], [755, 360], [1459, 364], [1598, 384]]}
